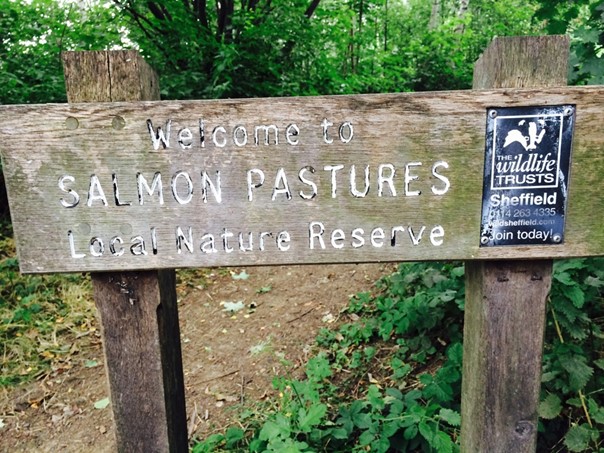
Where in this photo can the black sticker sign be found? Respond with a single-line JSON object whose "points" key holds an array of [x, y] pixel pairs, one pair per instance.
{"points": [[526, 171]]}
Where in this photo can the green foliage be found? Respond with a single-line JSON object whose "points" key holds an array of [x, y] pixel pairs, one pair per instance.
{"points": [[583, 20], [572, 406], [282, 47], [34, 33], [286, 47], [389, 380]]}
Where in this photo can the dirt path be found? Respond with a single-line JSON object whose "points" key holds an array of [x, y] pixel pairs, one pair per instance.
{"points": [[228, 357]]}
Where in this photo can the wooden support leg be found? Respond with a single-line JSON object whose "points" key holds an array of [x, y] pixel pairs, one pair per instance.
{"points": [[138, 311], [505, 301], [139, 319], [503, 344]]}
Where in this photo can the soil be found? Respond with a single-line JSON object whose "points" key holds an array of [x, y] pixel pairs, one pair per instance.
{"points": [[228, 357]]}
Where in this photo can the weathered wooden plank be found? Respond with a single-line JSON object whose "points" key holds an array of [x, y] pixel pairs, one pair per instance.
{"points": [[506, 300], [503, 344], [426, 147], [138, 311]]}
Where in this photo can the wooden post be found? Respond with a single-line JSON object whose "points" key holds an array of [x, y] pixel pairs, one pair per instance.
{"points": [[138, 311], [506, 300]]}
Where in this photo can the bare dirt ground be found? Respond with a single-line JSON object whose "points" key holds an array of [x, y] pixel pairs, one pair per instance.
{"points": [[228, 357]]}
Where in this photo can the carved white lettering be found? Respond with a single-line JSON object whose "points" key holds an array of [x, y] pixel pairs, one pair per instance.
{"points": [[447, 184], [188, 187], [307, 182], [75, 197], [281, 186], [95, 191], [251, 184], [159, 138], [409, 177], [156, 185], [291, 134], [185, 138]]}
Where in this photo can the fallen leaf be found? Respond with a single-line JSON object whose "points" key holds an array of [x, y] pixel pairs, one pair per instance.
{"points": [[241, 276], [233, 307], [101, 404], [91, 363], [328, 317], [264, 289]]}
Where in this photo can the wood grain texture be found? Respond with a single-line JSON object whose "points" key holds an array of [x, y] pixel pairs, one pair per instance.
{"points": [[506, 300], [138, 311], [410, 132], [498, 66], [143, 359], [109, 77], [503, 344]]}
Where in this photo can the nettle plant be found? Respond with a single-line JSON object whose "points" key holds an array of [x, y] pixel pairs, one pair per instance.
{"points": [[389, 379]]}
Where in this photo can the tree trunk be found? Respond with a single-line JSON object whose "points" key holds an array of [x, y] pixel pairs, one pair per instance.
{"points": [[435, 14]]}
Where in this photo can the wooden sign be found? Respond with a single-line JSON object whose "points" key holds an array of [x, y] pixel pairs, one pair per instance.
{"points": [[368, 178]]}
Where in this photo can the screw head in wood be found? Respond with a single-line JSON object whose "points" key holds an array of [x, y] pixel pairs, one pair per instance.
{"points": [[484, 240], [493, 113]]}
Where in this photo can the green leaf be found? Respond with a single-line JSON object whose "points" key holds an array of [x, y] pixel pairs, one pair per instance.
{"points": [[450, 416], [362, 420], [374, 396], [318, 368], [548, 376], [312, 417], [455, 353], [272, 429], [442, 443], [390, 428], [101, 404], [366, 438], [234, 435], [564, 277], [427, 432], [340, 433], [550, 407], [577, 438], [410, 432], [596, 282], [241, 276], [575, 294], [578, 371]]}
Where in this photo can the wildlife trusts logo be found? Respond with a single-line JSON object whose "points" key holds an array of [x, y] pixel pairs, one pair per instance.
{"points": [[526, 151]]}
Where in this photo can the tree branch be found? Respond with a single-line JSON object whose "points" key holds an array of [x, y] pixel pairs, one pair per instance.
{"points": [[311, 8], [201, 11]]}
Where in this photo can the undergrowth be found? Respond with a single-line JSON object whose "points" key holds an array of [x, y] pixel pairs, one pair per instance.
{"points": [[46, 319], [40, 318], [389, 379]]}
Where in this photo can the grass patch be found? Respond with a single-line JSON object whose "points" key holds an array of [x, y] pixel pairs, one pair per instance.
{"points": [[40, 317]]}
